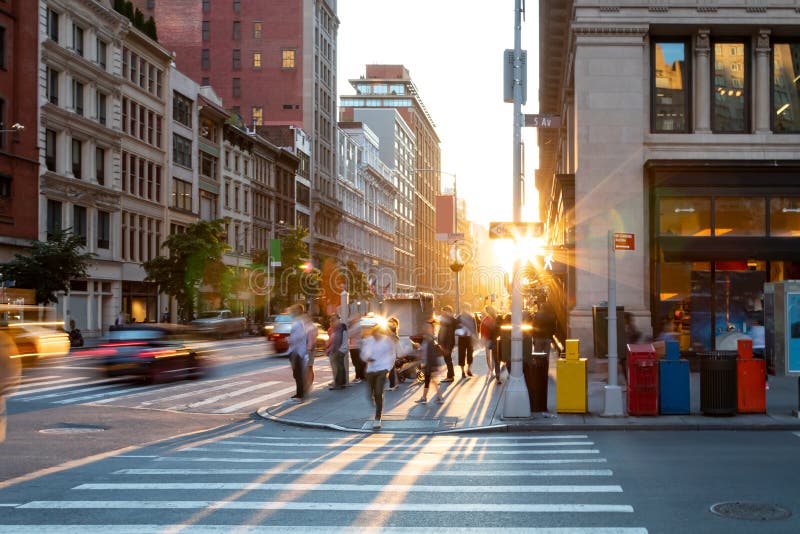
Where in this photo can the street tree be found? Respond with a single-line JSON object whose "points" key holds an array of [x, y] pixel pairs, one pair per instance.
{"points": [[194, 259], [296, 276], [356, 282], [49, 266]]}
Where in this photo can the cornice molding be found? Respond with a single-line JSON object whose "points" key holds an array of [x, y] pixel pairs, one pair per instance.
{"points": [[600, 30]]}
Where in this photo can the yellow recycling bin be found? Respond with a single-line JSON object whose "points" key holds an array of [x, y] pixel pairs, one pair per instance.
{"points": [[571, 381]]}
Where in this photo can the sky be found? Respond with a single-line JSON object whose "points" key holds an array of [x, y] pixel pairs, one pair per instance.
{"points": [[454, 52]]}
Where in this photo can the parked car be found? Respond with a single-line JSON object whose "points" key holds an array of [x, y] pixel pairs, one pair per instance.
{"points": [[35, 341], [152, 351], [220, 323]]}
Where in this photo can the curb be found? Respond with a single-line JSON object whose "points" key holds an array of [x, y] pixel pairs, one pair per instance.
{"points": [[526, 427]]}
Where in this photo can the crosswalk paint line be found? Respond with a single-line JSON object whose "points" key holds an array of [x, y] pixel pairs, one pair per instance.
{"points": [[504, 508], [290, 529], [404, 461], [25, 386], [415, 472], [204, 390], [223, 396], [408, 452], [416, 446], [71, 392], [369, 488], [145, 391], [28, 380], [69, 385], [448, 439], [117, 393], [259, 400]]}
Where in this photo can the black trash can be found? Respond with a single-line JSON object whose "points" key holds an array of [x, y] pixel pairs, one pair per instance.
{"points": [[535, 368], [600, 331], [504, 343], [718, 382]]}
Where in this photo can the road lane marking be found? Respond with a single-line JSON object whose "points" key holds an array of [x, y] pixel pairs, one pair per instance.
{"points": [[73, 392], [504, 508], [49, 383], [370, 488], [411, 471], [63, 386], [26, 380], [194, 392], [406, 452], [448, 439], [224, 396], [291, 529], [259, 400], [416, 446], [404, 461], [165, 386], [117, 393]]}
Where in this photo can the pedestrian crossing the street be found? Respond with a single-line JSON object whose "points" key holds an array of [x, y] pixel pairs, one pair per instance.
{"points": [[239, 393], [357, 483]]}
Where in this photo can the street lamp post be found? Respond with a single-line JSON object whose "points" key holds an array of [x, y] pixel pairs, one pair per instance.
{"points": [[456, 264]]}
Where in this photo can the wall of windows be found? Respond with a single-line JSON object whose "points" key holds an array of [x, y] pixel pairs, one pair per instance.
{"points": [[141, 177], [731, 71], [786, 86]]}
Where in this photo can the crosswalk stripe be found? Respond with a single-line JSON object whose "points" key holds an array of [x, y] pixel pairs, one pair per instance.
{"points": [[64, 386], [73, 392], [27, 380], [415, 446], [406, 452], [504, 508], [450, 438], [49, 383], [287, 529], [370, 488], [194, 392], [223, 396], [117, 393], [409, 471], [145, 391], [342, 460], [251, 402]]}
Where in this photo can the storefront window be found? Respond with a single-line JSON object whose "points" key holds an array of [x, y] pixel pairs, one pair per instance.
{"points": [[729, 113], [685, 216], [784, 217], [786, 87], [670, 85], [739, 216]]}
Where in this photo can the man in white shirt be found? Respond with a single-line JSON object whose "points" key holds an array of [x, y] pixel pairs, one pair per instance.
{"points": [[298, 351]]}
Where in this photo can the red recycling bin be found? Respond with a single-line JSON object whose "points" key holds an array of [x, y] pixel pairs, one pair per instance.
{"points": [[642, 380], [751, 380]]}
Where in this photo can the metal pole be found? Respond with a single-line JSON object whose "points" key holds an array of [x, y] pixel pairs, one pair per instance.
{"points": [[517, 402], [613, 393], [456, 257]]}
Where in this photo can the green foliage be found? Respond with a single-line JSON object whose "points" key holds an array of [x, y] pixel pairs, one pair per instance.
{"points": [[356, 282], [150, 29], [50, 266], [136, 17], [291, 281], [195, 258], [128, 10]]}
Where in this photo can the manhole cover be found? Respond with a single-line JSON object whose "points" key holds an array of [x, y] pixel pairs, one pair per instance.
{"points": [[72, 429], [753, 511]]}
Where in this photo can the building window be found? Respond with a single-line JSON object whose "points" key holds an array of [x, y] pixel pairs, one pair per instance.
{"points": [[236, 6], [227, 195], [205, 81], [786, 87], [182, 151], [102, 53], [258, 116], [100, 165], [257, 28], [77, 39], [208, 165], [50, 150], [52, 85], [182, 109], [206, 6], [205, 59], [670, 87], [53, 218], [740, 216], [206, 30], [257, 60], [77, 159], [5, 186], [237, 30], [100, 104], [79, 223], [181, 194], [52, 25], [685, 216], [103, 230], [237, 87], [77, 97], [287, 59], [237, 59], [730, 109]]}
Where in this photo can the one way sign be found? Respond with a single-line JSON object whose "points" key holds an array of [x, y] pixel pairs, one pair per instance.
{"points": [[515, 230]]}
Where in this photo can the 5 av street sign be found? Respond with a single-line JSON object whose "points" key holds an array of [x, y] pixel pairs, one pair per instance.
{"points": [[543, 121], [515, 230]]}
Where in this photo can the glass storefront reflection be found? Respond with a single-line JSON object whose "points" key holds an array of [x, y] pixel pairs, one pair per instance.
{"points": [[685, 216], [730, 88], [669, 98], [786, 87], [740, 216]]}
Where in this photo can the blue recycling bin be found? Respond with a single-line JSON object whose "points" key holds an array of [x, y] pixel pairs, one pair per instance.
{"points": [[674, 382]]}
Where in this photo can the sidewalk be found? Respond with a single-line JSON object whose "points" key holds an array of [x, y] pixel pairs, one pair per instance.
{"points": [[475, 405]]}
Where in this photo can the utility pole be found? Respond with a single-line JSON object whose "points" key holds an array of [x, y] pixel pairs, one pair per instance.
{"points": [[517, 402]]}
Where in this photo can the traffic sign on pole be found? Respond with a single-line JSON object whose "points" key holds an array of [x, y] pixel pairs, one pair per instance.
{"points": [[515, 230], [624, 241], [542, 121]]}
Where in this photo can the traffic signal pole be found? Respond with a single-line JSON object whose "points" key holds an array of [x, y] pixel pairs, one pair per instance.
{"points": [[517, 403]]}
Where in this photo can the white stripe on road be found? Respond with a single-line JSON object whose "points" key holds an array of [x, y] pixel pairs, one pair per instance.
{"points": [[193, 392], [259, 400], [406, 452], [410, 471], [223, 396], [54, 388], [26, 380], [504, 508], [171, 386], [28, 385], [406, 447], [286, 529], [371, 488], [448, 439], [115, 394], [73, 391], [340, 460]]}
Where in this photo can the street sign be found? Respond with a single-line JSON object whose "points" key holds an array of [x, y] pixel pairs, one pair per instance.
{"points": [[455, 237], [512, 230], [624, 241], [543, 121]]}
